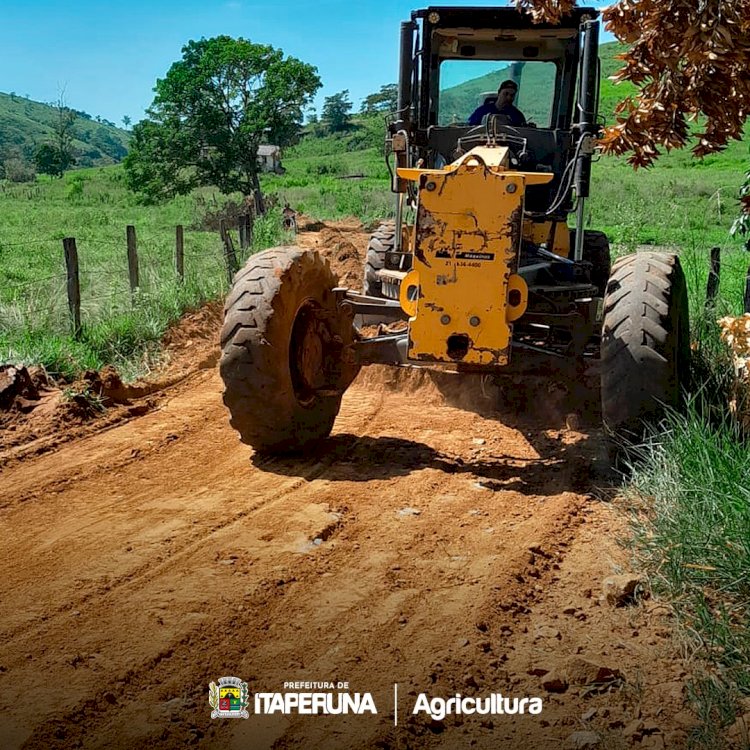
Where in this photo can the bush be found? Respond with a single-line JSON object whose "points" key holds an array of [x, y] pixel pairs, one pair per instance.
{"points": [[329, 166], [18, 170], [74, 190]]}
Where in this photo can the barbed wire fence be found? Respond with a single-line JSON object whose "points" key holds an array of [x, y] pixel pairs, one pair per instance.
{"points": [[101, 278]]}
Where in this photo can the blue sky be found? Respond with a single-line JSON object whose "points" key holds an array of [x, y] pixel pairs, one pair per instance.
{"points": [[106, 56]]}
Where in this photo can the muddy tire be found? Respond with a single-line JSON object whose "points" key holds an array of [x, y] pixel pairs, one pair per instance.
{"points": [[382, 241], [645, 353], [596, 251], [277, 351]]}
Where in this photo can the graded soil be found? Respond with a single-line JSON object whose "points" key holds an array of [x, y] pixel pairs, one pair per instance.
{"points": [[441, 540]]}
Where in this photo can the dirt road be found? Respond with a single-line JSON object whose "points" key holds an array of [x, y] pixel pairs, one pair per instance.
{"points": [[437, 540]]}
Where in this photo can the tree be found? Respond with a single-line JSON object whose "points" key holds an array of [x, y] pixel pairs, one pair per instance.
{"points": [[336, 111], [126, 121], [15, 166], [385, 100], [211, 112], [47, 160], [63, 135], [55, 157]]}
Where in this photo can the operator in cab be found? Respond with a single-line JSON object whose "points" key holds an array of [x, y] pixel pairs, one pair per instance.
{"points": [[503, 105]]}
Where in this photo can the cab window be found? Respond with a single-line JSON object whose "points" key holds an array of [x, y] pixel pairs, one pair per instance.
{"points": [[466, 84]]}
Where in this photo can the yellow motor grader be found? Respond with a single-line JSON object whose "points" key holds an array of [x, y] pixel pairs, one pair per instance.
{"points": [[480, 263]]}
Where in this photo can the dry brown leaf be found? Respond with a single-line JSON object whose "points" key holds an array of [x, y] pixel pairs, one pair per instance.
{"points": [[688, 58]]}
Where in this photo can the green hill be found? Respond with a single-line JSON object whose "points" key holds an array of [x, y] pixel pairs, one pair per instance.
{"points": [[25, 125], [534, 96]]}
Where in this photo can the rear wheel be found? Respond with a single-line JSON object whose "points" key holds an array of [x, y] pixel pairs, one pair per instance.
{"points": [[645, 354], [382, 241], [282, 350]]}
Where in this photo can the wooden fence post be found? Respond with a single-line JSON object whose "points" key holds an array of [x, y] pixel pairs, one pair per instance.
{"points": [[712, 288], [229, 254], [746, 306], [246, 231], [242, 227], [74, 286], [259, 205], [132, 258], [179, 252]]}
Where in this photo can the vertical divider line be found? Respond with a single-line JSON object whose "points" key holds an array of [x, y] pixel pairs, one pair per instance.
{"points": [[395, 704]]}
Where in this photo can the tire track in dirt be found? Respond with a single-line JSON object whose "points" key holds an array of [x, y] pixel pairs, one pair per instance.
{"points": [[223, 619], [305, 474], [308, 470]]}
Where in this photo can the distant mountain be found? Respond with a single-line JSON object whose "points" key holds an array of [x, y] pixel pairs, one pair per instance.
{"points": [[25, 125], [537, 82]]}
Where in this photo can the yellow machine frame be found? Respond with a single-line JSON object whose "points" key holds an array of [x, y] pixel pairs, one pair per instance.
{"points": [[463, 293]]}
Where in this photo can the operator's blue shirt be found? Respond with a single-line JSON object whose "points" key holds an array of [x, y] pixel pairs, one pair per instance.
{"points": [[514, 115]]}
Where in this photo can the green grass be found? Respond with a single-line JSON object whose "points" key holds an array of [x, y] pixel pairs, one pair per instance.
{"points": [[94, 207], [339, 175], [691, 493], [680, 201]]}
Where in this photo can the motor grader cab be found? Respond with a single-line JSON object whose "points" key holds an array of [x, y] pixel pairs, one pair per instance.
{"points": [[479, 271]]}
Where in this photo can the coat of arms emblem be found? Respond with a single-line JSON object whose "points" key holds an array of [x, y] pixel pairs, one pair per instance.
{"points": [[229, 699]]}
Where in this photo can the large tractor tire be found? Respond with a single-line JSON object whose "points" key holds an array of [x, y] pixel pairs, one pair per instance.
{"points": [[282, 343], [595, 251], [382, 241], [645, 352]]}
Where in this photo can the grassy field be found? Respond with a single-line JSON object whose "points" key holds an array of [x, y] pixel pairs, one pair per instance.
{"points": [[93, 206], [679, 203], [337, 175]]}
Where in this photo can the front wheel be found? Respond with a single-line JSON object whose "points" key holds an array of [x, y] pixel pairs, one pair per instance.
{"points": [[283, 343]]}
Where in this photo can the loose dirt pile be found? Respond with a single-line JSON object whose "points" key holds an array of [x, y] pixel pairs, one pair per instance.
{"points": [[39, 417], [343, 243], [438, 540]]}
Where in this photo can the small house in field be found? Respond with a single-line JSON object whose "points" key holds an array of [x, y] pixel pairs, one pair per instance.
{"points": [[270, 158]]}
